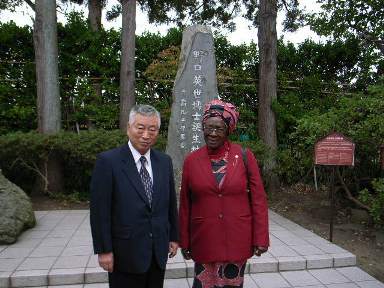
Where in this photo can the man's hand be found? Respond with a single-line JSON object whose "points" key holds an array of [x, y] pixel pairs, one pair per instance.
{"points": [[258, 250], [173, 246], [106, 261]]}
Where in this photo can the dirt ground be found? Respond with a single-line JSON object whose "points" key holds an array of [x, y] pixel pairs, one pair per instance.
{"points": [[310, 209], [307, 208]]}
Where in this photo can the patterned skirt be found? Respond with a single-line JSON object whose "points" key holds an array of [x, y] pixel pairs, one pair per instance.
{"points": [[219, 275]]}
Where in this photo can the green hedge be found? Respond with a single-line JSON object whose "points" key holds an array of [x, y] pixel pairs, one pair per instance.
{"points": [[20, 154]]}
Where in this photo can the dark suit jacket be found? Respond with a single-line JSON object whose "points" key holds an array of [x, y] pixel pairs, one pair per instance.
{"points": [[122, 220], [220, 224]]}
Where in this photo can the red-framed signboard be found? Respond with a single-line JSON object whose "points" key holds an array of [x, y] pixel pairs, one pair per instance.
{"points": [[335, 149]]}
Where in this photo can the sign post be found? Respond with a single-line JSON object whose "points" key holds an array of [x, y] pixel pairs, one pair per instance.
{"points": [[334, 150]]}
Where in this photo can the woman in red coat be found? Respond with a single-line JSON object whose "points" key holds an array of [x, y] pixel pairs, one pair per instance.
{"points": [[221, 223]]}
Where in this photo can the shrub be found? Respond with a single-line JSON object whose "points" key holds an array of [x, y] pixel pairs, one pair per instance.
{"points": [[375, 200], [20, 154]]}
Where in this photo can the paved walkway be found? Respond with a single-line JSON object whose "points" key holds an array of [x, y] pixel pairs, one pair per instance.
{"points": [[58, 251]]}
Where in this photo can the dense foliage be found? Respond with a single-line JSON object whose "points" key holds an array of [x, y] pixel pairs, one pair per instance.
{"points": [[315, 97]]}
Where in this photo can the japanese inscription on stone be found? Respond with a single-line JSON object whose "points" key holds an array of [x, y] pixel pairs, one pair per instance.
{"points": [[195, 85]]}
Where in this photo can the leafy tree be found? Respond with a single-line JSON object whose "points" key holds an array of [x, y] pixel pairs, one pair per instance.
{"points": [[361, 20], [17, 79]]}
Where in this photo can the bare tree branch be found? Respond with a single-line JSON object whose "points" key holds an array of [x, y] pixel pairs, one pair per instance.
{"points": [[35, 169], [348, 192], [31, 4]]}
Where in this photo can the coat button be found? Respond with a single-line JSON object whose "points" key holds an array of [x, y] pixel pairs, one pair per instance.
{"points": [[150, 235], [220, 215], [220, 195]]}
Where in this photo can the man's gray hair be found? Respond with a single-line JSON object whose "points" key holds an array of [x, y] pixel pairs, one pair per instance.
{"points": [[145, 110]]}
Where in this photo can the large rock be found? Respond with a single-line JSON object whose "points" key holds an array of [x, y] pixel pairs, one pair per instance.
{"points": [[16, 213]]}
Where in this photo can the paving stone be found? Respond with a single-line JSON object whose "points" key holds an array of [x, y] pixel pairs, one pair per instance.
{"points": [[42, 251], [343, 259], [40, 214], [43, 263], [319, 261], [54, 241], [176, 270], [274, 241], [29, 278], [97, 285], [248, 282], [77, 251], [282, 251], [4, 279], [93, 261], [34, 234], [312, 286], [291, 263], [71, 262], [176, 283], [317, 241], [270, 280], [66, 276], [11, 252], [283, 234], [300, 278], [343, 285], [303, 233], [46, 225], [370, 284], [66, 233], [258, 265], [95, 275], [65, 249], [26, 243], [80, 241], [328, 276], [10, 264], [355, 274], [305, 250], [294, 241], [275, 227], [332, 249], [83, 232], [67, 286]]}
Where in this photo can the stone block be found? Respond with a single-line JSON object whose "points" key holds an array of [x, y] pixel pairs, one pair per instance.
{"points": [[66, 276]]}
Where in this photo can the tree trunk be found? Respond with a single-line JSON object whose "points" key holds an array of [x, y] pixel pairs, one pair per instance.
{"points": [[267, 39], [127, 68], [48, 94], [94, 18], [46, 57], [94, 14]]}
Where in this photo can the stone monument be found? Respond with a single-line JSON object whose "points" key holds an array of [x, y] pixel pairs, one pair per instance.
{"points": [[195, 84]]}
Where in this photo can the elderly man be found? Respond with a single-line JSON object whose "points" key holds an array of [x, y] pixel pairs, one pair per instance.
{"points": [[133, 206]]}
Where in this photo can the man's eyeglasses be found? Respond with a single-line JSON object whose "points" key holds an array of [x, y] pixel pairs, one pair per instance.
{"points": [[210, 130]]}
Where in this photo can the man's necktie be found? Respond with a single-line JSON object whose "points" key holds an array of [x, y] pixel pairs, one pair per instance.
{"points": [[146, 179]]}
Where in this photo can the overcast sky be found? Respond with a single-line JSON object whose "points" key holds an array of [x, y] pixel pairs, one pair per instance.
{"points": [[243, 33]]}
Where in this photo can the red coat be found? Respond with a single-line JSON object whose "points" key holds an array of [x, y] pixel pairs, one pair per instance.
{"points": [[219, 224]]}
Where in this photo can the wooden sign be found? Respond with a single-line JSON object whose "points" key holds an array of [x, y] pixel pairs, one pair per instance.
{"points": [[335, 149]]}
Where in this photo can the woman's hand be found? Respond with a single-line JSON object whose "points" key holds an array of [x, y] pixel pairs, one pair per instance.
{"points": [[186, 254], [258, 250]]}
